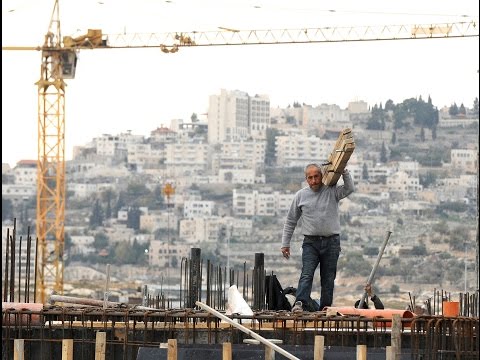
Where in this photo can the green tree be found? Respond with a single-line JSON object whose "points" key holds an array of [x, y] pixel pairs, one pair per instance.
{"points": [[383, 153], [123, 253], [394, 289], [133, 218], [422, 134], [475, 107], [270, 153], [96, 219], [428, 179], [453, 110], [365, 171], [100, 241], [394, 138]]}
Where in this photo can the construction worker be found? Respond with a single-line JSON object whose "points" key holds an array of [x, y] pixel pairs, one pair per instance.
{"points": [[375, 299], [317, 205]]}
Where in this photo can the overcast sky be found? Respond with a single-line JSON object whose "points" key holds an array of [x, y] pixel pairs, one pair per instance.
{"points": [[140, 89]]}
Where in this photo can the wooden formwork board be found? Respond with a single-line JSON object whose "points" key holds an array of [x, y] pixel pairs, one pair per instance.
{"points": [[338, 159]]}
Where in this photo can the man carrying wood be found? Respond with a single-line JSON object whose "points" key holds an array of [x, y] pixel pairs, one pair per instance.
{"points": [[317, 205]]}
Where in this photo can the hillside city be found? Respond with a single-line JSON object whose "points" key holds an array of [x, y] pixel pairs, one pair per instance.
{"points": [[225, 183]]}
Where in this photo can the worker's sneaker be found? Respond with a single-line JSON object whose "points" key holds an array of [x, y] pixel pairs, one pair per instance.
{"points": [[298, 307]]}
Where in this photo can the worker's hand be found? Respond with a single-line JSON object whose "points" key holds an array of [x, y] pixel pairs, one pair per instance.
{"points": [[368, 290], [286, 252]]}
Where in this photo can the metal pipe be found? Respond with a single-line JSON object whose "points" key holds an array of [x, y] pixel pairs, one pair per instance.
{"points": [[374, 269], [54, 297], [248, 331]]}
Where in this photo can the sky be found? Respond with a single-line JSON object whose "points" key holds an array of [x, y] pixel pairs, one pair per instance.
{"points": [[117, 90]]}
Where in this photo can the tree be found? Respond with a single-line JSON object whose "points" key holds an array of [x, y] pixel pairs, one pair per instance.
{"points": [[422, 134], [270, 154], [395, 289], [194, 118], [383, 153], [100, 241], [133, 218], [394, 138], [428, 179], [453, 110], [96, 219], [475, 107], [365, 171]]}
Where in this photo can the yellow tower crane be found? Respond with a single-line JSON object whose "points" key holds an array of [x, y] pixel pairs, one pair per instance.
{"points": [[59, 57]]}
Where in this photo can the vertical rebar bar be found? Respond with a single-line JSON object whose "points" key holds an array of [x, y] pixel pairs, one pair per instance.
{"points": [[20, 269], [12, 266], [27, 277], [7, 254], [36, 271]]}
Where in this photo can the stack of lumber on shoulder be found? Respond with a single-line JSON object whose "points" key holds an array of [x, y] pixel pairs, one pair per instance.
{"points": [[337, 161]]}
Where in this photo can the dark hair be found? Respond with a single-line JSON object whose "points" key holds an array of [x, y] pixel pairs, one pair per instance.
{"points": [[365, 305]]}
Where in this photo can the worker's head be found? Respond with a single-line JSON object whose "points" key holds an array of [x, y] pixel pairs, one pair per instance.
{"points": [[365, 305], [313, 175]]}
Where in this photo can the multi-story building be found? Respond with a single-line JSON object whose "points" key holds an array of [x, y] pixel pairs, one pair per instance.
{"points": [[248, 202], [465, 160], [186, 158], [300, 150], [235, 115], [198, 208], [240, 155], [400, 182], [26, 172]]}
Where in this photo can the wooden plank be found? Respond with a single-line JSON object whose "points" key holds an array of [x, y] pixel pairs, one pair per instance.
{"points": [[361, 352], [227, 351], [172, 349], [396, 337], [319, 347], [67, 349], [338, 158], [100, 345], [18, 349]]}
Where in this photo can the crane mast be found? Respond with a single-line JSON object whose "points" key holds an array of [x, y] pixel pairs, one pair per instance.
{"points": [[51, 164]]}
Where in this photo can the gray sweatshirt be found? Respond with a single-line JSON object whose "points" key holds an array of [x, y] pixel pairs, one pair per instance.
{"points": [[319, 210]]}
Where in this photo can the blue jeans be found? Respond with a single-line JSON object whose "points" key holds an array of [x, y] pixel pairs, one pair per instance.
{"points": [[323, 251]]}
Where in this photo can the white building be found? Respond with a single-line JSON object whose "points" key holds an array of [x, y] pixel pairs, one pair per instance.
{"points": [[163, 253], [254, 203], [234, 115], [464, 159], [300, 150], [26, 172], [198, 208], [240, 154], [401, 182], [186, 158]]}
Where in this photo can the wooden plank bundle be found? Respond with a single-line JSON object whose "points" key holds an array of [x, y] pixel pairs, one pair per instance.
{"points": [[337, 161]]}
